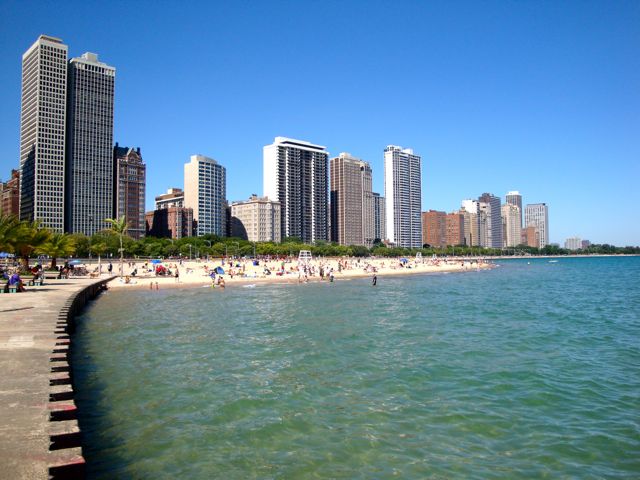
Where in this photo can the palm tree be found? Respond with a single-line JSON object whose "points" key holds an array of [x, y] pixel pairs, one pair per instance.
{"points": [[58, 245], [31, 236], [9, 231], [119, 227], [99, 249]]}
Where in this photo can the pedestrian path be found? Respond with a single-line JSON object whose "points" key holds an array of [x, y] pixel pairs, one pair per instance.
{"points": [[38, 427]]}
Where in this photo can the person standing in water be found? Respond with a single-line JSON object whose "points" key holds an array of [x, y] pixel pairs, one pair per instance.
{"points": [[374, 281]]}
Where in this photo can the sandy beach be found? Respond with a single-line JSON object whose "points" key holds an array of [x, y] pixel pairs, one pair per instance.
{"points": [[198, 273]]}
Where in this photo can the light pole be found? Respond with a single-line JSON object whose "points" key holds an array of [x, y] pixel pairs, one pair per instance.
{"points": [[237, 248], [190, 251], [209, 251]]}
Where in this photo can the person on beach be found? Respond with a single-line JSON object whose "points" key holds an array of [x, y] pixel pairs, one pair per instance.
{"points": [[110, 268], [177, 276]]}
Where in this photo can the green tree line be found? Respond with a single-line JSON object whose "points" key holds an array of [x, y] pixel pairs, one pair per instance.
{"points": [[28, 239]]}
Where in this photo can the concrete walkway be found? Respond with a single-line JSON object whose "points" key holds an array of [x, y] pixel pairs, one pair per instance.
{"points": [[38, 426]]}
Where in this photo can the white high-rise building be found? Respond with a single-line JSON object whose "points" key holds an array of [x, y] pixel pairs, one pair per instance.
{"points": [[89, 159], [537, 215], [296, 175], [403, 193], [512, 229], [205, 190], [514, 198], [42, 132], [352, 209]]}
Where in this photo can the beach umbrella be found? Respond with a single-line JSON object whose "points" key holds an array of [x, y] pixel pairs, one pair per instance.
{"points": [[220, 271], [404, 260], [156, 261], [6, 255], [75, 262]]}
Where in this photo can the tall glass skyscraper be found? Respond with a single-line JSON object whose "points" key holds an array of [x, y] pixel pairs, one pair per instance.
{"points": [[89, 165], [403, 193], [42, 132]]}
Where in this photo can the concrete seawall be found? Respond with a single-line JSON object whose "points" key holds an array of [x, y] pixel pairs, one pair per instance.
{"points": [[39, 433]]}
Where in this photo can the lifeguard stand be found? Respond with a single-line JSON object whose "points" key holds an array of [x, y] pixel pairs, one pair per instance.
{"points": [[305, 256]]}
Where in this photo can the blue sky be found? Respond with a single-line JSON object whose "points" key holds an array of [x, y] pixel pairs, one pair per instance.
{"points": [[540, 97]]}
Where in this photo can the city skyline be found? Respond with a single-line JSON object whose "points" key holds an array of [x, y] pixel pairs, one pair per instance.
{"points": [[478, 128]]}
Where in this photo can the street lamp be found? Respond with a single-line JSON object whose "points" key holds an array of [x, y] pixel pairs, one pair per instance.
{"points": [[190, 251]]}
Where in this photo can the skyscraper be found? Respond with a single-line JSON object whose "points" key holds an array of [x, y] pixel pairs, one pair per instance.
{"points": [[470, 209], [42, 132], [352, 210], [205, 190], [129, 189], [494, 220], [379, 217], [295, 174], [537, 215], [514, 198], [403, 192], [89, 157], [512, 227]]}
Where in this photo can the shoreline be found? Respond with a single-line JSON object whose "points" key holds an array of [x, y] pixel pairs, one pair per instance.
{"points": [[194, 273]]}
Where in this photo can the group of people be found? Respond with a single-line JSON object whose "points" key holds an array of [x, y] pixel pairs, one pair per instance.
{"points": [[13, 281]]}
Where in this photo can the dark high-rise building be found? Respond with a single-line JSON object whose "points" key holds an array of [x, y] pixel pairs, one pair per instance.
{"points": [[129, 189], [89, 157], [170, 222], [379, 217], [295, 174], [43, 115], [352, 221], [494, 220]]}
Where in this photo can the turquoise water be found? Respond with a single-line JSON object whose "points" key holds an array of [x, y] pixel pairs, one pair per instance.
{"points": [[525, 371]]}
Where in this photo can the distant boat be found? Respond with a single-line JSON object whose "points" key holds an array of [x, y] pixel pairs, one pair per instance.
{"points": [[553, 261]]}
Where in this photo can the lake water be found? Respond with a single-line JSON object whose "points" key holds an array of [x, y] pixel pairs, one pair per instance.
{"points": [[524, 371]]}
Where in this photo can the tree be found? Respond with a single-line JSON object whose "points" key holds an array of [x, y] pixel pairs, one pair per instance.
{"points": [[31, 236], [119, 227], [57, 245], [99, 248], [9, 231]]}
